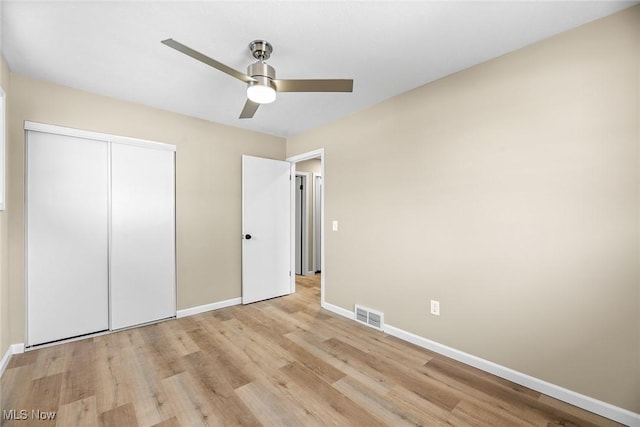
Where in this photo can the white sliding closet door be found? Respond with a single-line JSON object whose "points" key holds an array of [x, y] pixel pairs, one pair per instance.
{"points": [[142, 235], [67, 237]]}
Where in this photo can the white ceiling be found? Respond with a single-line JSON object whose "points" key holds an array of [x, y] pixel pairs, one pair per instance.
{"points": [[114, 49]]}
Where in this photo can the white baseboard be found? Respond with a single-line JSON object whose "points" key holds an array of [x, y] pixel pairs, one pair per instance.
{"points": [[338, 310], [590, 404], [13, 349], [5, 360], [580, 400], [208, 307], [310, 273]]}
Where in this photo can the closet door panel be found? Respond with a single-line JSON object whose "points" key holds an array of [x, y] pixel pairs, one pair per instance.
{"points": [[142, 235], [67, 237]]}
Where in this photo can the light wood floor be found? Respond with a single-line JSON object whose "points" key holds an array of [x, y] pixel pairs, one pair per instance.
{"points": [[279, 362]]}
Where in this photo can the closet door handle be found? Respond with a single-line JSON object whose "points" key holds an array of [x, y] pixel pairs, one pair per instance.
{"points": [[247, 236]]}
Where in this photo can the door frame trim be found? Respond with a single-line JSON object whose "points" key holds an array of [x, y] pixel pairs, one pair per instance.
{"points": [[315, 154], [317, 221], [304, 264]]}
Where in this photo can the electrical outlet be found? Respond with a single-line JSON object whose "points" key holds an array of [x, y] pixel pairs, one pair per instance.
{"points": [[435, 307]]}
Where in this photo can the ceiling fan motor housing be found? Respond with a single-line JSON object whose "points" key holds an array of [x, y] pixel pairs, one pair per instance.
{"points": [[264, 74]]}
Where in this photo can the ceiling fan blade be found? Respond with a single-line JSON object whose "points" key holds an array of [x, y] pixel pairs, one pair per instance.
{"points": [[249, 109], [326, 85], [205, 59]]}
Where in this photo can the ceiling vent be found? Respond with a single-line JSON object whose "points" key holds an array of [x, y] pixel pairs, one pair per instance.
{"points": [[369, 317]]}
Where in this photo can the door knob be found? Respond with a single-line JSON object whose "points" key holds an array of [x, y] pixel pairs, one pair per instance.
{"points": [[247, 236]]}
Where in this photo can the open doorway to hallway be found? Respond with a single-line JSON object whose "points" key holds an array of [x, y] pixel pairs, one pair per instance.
{"points": [[308, 214], [308, 186]]}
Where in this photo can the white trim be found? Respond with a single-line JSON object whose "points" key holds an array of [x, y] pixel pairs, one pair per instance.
{"points": [[315, 154], [11, 350], [5, 360], [304, 265], [316, 221], [310, 273], [292, 228], [79, 133], [580, 400], [587, 403], [338, 310], [208, 307], [3, 150]]}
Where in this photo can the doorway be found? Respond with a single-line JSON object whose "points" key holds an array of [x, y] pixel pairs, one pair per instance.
{"points": [[307, 230]]}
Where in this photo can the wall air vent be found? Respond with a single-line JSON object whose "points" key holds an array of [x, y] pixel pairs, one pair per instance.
{"points": [[369, 317]]}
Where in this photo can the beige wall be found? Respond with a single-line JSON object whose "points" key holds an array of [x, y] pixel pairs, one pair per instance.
{"points": [[4, 240], [510, 193], [311, 166], [208, 185]]}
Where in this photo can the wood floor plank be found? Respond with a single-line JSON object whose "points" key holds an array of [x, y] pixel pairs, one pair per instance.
{"points": [[416, 407], [310, 362], [312, 402], [50, 360], [258, 346], [280, 362], [149, 397], [229, 336], [171, 422], [478, 414], [256, 357], [124, 416], [27, 358], [178, 336], [158, 348], [43, 398], [578, 416], [378, 405], [305, 378], [188, 406], [264, 400], [432, 391], [301, 324], [372, 342], [316, 346], [112, 379], [78, 379], [151, 410], [233, 370], [81, 413], [219, 392], [483, 390], [14, 388]]}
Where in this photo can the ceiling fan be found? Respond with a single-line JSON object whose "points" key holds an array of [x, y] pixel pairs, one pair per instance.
{"points": [[262, 84]]}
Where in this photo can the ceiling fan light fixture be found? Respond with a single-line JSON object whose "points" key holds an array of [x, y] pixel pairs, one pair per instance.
{"points": [[261, 93], [261, 77]]}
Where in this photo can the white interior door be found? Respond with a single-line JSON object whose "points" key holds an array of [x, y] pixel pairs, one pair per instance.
{"points": [[266, 229], [143, 287], [67, 237]]}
